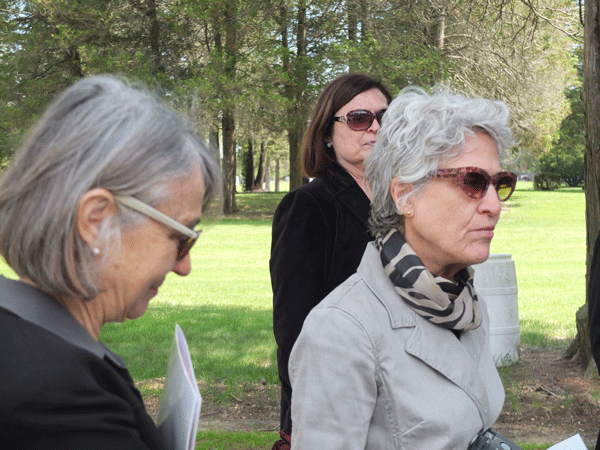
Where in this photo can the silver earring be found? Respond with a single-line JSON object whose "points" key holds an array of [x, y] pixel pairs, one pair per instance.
{"points": [[328, 144], [96, 251]]}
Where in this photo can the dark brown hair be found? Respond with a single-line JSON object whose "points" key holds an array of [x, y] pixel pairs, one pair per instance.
{"points": [[315, 155]]}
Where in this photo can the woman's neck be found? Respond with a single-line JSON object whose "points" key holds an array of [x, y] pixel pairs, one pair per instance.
{"points": [[84, 311], [358, 173]]}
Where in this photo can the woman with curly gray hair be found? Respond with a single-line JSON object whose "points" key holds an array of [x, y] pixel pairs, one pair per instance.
{"points": [[399, 356], [101, 202]]}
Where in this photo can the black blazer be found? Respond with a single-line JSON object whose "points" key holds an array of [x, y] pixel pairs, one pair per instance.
{"points": [[60, 388], [320, 232]]}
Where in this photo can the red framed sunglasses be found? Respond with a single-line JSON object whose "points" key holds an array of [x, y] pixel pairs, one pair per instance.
{"points": [[475, 181], [360, 119]]}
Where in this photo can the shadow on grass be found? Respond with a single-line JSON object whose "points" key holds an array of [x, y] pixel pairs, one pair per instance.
{"points": [[227, 440], [228, 345], [536, 333], [256, 205]]}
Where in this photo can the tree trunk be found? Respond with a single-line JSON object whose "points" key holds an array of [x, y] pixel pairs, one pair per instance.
{"points": [[213, 143], [249, 167], [157, 66], [73, 59], [277, 175], [352, 7], [296, 114], [260, 172], [591, 100], [229, 162], [228, 120], [294, 90]]}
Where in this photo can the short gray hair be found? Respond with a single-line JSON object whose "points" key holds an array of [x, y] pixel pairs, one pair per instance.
{"points": [[418, 133], [102, 132]]}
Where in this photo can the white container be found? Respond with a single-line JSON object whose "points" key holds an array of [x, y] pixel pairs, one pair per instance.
{"points": [[496, 282]]}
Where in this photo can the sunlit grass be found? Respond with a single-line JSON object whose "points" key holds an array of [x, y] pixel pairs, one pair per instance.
{"points": [[545, 234], [224, 306], [224, 440]]}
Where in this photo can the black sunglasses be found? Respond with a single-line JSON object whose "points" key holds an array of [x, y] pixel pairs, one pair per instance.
{"points": [[189, 236], [475, 181], [360, 119]]}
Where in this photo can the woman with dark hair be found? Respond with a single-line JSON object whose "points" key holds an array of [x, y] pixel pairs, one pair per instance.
{"points": [[99, 205], [320, 230]]}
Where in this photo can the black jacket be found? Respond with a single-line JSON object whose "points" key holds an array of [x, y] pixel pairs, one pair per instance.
{"points": [[320, 232], [59, 388]]}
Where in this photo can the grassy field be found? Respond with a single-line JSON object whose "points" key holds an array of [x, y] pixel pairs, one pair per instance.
{"points": [[545, 234], [224, 305]]}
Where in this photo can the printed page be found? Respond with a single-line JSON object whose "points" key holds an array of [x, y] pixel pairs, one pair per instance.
{"points": [[573, 443], [180, 401]]}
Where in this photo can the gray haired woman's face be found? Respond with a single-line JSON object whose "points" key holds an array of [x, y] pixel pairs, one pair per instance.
{"points": [[446, 228], [149, 252]]}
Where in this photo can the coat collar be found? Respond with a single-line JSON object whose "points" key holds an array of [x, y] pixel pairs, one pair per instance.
{"points": [[39, 308], [347, 191], [432, 344]]}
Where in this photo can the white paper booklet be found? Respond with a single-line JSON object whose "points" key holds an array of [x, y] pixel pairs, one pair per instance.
{"points": [[573, 443], [180, 401]]}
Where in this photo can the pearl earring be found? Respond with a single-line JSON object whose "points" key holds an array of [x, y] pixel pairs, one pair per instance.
{"points": [[96, 251]]}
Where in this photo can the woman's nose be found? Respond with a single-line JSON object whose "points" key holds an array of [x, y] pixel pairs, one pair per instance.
{"points": [[183, 267]]}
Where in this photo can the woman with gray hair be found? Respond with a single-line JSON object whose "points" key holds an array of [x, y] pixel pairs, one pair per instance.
{"points": [[101, 202], [398, 356]]}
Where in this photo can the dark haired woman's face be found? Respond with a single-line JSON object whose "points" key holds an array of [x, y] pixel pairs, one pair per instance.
{"points": [[352, 147]]}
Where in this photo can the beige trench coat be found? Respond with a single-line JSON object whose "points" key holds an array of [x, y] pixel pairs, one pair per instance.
{"points": [[367, 372]]}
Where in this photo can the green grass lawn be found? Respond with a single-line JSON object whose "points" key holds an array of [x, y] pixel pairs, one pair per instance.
{"points": [[545, 234], [225, 307]]}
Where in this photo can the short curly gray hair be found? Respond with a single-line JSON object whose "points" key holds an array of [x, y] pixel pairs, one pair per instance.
{"points": [[101, 132], [418, 133]]}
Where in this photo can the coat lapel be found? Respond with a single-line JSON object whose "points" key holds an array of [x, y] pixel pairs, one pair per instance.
{"points": [[349, 194], [434, 345]]}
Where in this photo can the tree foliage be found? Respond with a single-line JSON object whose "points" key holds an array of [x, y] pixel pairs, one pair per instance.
{"points": [[246, 70], [566, 155]]}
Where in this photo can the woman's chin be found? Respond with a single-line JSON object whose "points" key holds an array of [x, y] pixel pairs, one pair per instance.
{"points": [[481, 255], [141, 306]]}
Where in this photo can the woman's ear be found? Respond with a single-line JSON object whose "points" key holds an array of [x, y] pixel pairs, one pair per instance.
{"points": [[398, 190], [95, 206]]}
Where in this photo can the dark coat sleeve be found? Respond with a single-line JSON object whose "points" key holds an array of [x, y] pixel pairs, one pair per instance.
{"points": [[58, 396], [319, 235], [300, 249], [594, 302]]}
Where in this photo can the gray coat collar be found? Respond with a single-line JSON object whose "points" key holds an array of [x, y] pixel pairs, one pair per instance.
{"points": [[432, 343], [39, 308]]}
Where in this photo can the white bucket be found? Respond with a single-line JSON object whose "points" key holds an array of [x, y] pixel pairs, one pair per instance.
{"points": [[496, 282]]}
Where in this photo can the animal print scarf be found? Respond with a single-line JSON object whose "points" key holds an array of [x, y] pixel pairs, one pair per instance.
{"points": [[451, 304]]}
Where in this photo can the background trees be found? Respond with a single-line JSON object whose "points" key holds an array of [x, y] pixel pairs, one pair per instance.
{"points": [[565, 158], [246, 69]]}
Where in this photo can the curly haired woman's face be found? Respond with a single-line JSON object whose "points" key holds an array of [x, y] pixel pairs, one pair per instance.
{"points": [[447, 229], [352, 147]]}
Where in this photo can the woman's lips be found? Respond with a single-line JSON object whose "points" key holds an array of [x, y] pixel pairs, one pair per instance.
{"points": [[487, 233]]}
